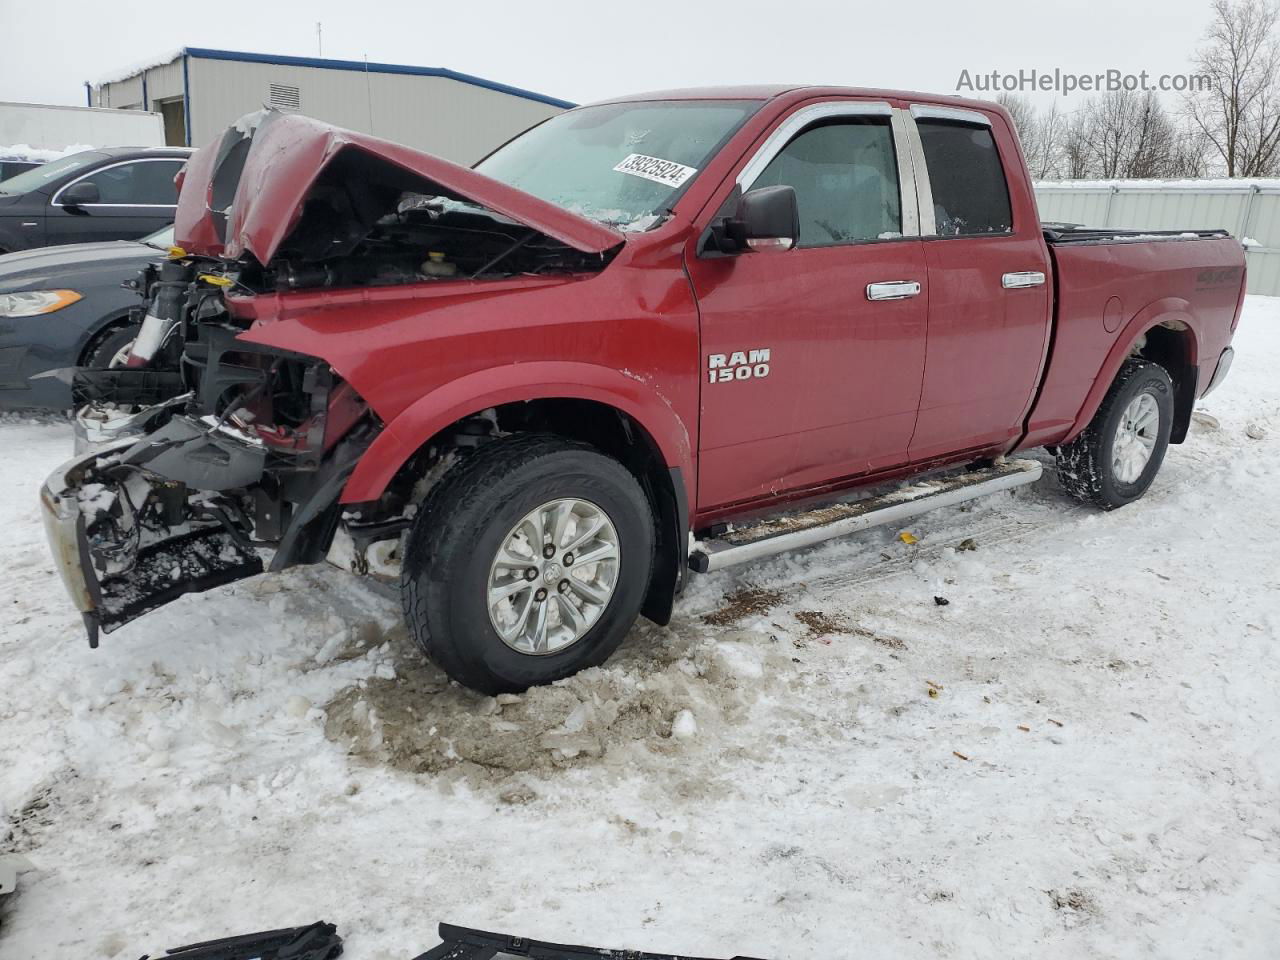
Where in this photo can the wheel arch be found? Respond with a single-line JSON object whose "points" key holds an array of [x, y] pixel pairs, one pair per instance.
{"points": [[615, 413], [1163, 332], [99, 331]]}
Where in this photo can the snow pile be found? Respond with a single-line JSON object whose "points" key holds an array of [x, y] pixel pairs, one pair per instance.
{"points": [[23, 151], [631, 710], [1036, 729], [140, 66]]}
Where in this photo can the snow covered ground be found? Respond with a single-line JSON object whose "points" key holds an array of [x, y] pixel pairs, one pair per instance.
{"points": [[1077, 756]]}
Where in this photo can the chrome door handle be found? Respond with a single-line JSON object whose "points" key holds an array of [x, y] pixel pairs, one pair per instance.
{"points": [[1027, 278], [893, 290]]}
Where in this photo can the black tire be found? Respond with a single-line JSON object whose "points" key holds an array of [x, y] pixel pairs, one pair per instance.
{"points": [[99, 354], [456, 536], [1085, 466]]}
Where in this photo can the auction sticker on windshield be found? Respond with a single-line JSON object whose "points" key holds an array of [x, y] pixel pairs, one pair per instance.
{"points": [[656, 169]]}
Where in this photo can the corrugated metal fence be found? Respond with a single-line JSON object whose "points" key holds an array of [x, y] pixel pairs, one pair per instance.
{"points": [[1248, 208]]}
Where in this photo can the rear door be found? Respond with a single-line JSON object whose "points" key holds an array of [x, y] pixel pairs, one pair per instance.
{"points": [[806, 379], [989, 298], [135, 198]]}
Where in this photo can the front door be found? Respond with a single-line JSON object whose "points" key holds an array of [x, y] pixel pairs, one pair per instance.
{"points": [[807, 380], [135, 198]]}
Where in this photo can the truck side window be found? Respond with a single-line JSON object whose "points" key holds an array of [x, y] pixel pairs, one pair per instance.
{"points": [[846, 180], [970, 194]]}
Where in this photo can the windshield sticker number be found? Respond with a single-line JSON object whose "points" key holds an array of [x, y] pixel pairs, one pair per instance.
{"points": [[656, 169]]}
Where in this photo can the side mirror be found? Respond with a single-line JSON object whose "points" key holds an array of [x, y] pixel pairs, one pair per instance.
{"points": [[765, 219], [79, 194]]}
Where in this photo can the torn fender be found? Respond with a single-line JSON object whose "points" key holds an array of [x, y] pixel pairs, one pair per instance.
{"points": [[247, 191]]}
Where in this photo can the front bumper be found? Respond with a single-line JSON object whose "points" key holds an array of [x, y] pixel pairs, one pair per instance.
{"points": [[20, 362], [164, 565]]}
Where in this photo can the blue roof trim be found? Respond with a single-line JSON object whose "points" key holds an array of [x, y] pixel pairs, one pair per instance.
{"points": [[360, 66]]}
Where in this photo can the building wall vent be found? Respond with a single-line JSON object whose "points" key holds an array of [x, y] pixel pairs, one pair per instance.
{"points": [[283, 95]]}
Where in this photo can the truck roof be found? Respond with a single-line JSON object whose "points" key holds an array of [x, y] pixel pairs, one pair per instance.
{"points": [[795, 92]]}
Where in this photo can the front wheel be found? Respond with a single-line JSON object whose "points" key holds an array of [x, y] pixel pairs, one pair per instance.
{"points": [[1114, 460], [112, 349], [528, 562]]}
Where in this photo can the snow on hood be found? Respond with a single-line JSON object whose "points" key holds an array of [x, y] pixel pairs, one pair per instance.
{"points": [[247, 192]]}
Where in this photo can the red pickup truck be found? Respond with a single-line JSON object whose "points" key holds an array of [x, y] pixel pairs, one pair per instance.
{"points": [[670, 331]]}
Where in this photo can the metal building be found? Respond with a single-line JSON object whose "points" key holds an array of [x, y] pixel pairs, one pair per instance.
{"points": [[1250, 209], [453, 115]]}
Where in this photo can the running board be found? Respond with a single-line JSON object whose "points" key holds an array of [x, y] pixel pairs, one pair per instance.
{"points": [[794, 531]]}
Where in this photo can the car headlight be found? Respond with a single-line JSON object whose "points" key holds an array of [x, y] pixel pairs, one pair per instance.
{"points": [[32, 303]]}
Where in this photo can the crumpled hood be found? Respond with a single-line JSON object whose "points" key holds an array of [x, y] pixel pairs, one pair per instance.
{"points": [[247, 191]]}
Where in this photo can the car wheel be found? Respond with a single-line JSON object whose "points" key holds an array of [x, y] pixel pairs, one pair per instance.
{"points": [[528, 562], [112, 350], [1113, 461]]}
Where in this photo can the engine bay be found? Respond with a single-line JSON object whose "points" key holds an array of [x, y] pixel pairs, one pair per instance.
{"points": [[424, 238]]}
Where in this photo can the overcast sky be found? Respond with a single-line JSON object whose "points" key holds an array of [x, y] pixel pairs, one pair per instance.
{"points": [[583, 51]]}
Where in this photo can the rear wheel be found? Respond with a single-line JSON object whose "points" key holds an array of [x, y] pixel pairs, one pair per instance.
{"points": [[528, 562], [1117, 456]]}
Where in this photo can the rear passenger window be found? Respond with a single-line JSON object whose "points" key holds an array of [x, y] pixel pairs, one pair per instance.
{"points": [[970, 195], [146, 182], [846, 182]]}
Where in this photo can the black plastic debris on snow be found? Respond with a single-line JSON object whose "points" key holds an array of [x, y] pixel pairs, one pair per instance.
{"points": [[463, 943], [317, 941]]}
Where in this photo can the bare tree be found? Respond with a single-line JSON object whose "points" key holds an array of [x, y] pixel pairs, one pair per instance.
{"points": [[1239, 113], [1106, 126], [1153, 140], [1188, 158], [1052, 129], [1021, 112], [1127, 135], [1041, 134], [1076, 156]]}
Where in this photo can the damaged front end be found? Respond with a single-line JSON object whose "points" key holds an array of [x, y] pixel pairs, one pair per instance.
{"points": [[209, 447], [252, 457]]}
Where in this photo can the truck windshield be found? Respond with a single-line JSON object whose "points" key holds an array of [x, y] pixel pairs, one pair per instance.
{"points": [[618, 163], [37, 177]]}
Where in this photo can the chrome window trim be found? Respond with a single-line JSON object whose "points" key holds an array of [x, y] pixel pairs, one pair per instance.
{"points": [[924, 111], [805, 116], [53, 202], [923, 187], [794, 124], [909, 174]]}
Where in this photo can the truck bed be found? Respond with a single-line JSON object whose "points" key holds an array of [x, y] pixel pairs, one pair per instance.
{"points": [[1057, 234], [1110, 284]]}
